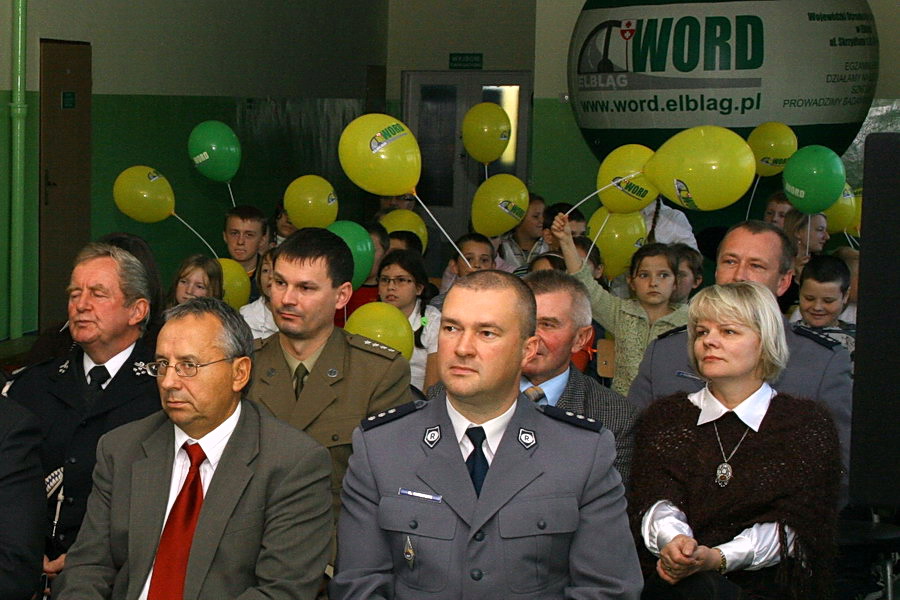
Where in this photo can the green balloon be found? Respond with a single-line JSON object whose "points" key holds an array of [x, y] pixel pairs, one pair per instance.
{"points": [[215, 150], [361, 247], [814, 179]]}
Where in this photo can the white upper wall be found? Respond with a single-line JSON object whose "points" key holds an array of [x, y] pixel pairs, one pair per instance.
{"points": [[212, 47], [423, 33]]}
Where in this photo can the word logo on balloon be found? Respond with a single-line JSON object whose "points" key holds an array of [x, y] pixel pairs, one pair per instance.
{"points": [[513, 210], [387, 135]]}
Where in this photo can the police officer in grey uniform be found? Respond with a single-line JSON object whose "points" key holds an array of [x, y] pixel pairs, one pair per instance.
{"points": [[475, 494], [819, 368]]}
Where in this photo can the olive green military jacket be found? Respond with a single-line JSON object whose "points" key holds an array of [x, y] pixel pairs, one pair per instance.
{"points": [[352, 378]]}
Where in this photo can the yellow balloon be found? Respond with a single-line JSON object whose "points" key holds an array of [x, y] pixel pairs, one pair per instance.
{"points": [[842, 214], [773, 144], [235, 283], [621, 234], [633, 194], [485, 132], [384, 323], [401, 219], [310, 201], [144, 194], [380, 154], [703, 168], [500, 203]]}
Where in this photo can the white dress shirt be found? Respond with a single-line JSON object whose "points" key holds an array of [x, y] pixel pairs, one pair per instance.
{"points": [[112, 365], [213, 444], [493, 431], [754, 548]]}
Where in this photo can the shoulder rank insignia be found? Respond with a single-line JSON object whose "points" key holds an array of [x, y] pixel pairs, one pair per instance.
{"points": [[572, 418], [817, 336], [391, 415], [666, 334], [375, 346]]}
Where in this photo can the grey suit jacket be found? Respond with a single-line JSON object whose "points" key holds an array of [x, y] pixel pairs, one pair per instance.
{"points": [[545, 526], [587, 397], [264, 530], [819, 371]]}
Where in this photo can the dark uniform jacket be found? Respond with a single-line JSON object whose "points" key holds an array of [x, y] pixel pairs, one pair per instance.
{"points": [[54, 392]]}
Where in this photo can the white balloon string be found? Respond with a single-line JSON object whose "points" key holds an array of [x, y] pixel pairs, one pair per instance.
{"points": [[197, 234], [230, 193], [604, 188], [594, 239], [485, 171], [444, 231], [850, 240], [808, 229], [752, 195]]}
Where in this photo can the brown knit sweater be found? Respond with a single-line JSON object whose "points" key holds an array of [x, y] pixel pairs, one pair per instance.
{"points": [[786, 473]]}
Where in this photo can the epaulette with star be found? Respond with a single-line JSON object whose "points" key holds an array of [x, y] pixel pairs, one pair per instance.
{"points": [[373, 346], [392, 414], [818, 337], [567, 416]]}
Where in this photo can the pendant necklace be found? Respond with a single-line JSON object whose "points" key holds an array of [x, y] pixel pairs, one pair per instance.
{"points": [[724, 472]]}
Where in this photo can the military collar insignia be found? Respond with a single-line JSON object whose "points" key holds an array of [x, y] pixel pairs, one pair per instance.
{"points": [[432, 436], [527, 438], [140, 368], [63, 368]]}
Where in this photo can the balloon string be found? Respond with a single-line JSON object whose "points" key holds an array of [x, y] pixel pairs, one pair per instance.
{"points": [[485, 171], [604, 188], [808, 229], [230, 193], [853, 243], [752, 194], [441, 227], [197, 234], [594, 241]]}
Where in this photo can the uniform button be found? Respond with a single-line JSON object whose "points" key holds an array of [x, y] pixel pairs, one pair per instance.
{"points": [[479, 535], [413, 524], [72, 460], [335, 437], [542, 524], [476, 574]]}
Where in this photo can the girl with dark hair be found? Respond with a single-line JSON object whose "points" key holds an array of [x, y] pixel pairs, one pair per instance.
{"points": [[403, 282]]}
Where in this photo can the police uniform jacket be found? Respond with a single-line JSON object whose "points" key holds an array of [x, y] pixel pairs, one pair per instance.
{"points": [[352, 378], [544, 526], [54, 392], [818, 369]]}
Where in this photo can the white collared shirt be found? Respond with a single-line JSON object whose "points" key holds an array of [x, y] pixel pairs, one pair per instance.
{"points": [[112, 365], [493, 430], [754, 548], [213, 445], [553, 388]]}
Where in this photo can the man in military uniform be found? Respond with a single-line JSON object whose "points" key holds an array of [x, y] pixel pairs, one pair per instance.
{"points": [[313, 375], [819, 368], [475, 494], [100, 385]]}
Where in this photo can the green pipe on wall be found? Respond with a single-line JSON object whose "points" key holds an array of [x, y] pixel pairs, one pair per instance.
{"points": [[17, 113]]}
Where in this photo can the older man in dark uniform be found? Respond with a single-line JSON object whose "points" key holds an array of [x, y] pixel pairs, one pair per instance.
{"points": [[316, 376], [100, 385], [475, 494]]}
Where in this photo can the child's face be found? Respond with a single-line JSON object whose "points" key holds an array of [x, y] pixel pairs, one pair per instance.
{"points": [[821, 302], [479, 255], [533, 223], [685, 282], [653, 282], [775, 212]]}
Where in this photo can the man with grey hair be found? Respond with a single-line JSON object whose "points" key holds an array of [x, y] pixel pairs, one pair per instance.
{"points": [[213, 497], [477, 493], [564, 327], [98, 386]]}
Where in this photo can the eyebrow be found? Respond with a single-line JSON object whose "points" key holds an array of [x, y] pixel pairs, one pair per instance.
{"points": [[477, 325]]}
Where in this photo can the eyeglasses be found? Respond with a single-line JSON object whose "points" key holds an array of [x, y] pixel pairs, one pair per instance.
{"points": [[186, 368], [398, 281]]}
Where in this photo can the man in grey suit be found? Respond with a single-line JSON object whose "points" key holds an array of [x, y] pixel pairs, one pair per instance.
{"points": [[475, 494], [212, 498], [819, 368], [564, 327]]}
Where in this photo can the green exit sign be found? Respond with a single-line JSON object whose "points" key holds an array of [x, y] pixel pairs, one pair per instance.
{"points": [[466, 60]]}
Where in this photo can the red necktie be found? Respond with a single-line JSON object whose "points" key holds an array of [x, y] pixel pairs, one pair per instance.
{"points": [[167, 582]]}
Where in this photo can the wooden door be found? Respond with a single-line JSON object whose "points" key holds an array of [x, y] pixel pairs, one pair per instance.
{"points": [[65, 169]]}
